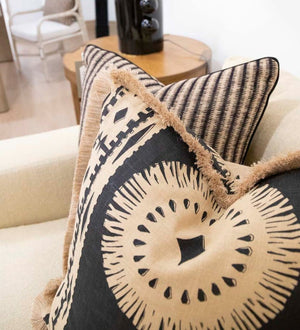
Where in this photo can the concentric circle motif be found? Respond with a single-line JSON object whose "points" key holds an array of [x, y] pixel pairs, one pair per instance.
{"points": [[175, 260]]}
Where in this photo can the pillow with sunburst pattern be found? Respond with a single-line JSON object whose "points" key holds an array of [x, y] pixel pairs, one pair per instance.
{"points": [[166, 237]]}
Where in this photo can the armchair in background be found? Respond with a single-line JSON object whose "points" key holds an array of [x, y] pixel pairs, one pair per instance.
{"points": [[55, 22]]}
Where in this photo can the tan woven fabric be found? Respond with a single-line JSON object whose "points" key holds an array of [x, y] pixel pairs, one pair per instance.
{"points": [[278, 131]]}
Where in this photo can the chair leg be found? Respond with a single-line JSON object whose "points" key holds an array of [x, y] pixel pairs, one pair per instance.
{"points": [[61, 48], [84, 34], [16, 56], [43, 58]]}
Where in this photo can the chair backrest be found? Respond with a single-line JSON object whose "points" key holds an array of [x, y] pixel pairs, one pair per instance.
{"points": [[78, 4], [13, 7], [10, 8]]}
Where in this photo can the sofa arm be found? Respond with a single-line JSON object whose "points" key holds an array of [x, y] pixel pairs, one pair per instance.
{"points": [[36, 174]]}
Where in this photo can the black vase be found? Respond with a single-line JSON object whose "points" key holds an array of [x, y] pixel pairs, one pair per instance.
{"points": [[139, 26]]}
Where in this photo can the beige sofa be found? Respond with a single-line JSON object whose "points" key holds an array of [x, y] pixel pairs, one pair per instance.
{"points": [[36, 175], [35, 190]]}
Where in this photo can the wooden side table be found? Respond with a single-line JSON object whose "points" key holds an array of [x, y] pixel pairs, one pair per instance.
{"points": [[172, 64]]}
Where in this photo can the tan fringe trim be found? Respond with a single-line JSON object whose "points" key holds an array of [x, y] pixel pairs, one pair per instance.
{"points": [[42, 304], [258, 172], [203, 157], [276, 165], [99, 90]]}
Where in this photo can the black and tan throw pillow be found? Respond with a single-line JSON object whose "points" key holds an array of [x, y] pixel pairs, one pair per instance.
{"points": [[96, 60], [223, 108], [162, 241]]}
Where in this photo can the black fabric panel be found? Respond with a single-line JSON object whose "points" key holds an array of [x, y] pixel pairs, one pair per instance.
{"points": [[94, 305], [289, 185]]}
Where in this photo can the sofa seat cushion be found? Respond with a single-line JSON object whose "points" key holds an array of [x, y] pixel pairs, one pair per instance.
{"points": [[30, 255], [49, 30]]}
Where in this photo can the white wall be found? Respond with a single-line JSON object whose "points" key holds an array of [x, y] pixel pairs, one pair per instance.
{"points": [[252, 28], [22, 5], [111, 10], [88, 9]]}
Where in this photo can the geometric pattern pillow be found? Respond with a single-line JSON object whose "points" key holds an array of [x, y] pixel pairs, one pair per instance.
{"points": [[162, 242], [97, 60], [223, 108], [237, 95]]}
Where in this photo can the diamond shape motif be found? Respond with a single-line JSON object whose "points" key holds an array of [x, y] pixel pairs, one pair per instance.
{"points": [[121, 114], [191, 248]]}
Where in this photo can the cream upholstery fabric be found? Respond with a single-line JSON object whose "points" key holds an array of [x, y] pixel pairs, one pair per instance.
{"points": [[278, 131], [36, 174], [30, 256], [49, 30]]}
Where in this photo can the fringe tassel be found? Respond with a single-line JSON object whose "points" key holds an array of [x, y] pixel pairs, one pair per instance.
{"points": [[257, 172], [99, 90], [101, 87], [42, 305], [203, 157], [262, 170]]}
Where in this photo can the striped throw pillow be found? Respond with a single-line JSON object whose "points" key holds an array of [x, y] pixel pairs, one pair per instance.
{"points": [[223, 108]]}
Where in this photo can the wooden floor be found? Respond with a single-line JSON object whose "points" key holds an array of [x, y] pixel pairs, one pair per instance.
{"points": [[37, 105]]}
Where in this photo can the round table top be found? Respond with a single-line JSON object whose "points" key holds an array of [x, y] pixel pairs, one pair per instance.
{"points": [[173, 63]]}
